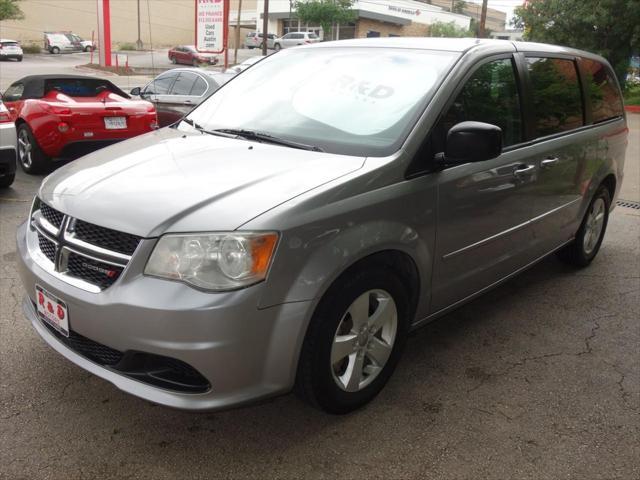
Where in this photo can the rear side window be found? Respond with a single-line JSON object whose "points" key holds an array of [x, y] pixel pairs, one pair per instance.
{"points": [[14, 93], [603, 91], [490, 96], [199, 87], [557, 99], [183, 84]]}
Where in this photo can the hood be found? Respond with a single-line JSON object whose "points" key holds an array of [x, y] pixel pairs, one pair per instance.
{"points": [[171, 181]]}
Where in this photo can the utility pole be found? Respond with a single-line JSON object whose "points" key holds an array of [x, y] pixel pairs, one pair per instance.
{"points": [[483, 19], [237, 42], [265, 27], [139, 44]]}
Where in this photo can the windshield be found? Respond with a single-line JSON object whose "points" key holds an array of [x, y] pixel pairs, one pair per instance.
{"points": [[353, 101]]}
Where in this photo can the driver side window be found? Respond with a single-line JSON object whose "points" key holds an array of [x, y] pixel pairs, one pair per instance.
{"points": [[489, 96]]}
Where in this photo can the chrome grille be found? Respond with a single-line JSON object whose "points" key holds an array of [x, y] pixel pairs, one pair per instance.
{"points": [[84, 254]]}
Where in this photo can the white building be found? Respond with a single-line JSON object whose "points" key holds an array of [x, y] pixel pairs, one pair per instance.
{"points": [[373, 18]]}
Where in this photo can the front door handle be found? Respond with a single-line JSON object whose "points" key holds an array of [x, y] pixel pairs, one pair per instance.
{"points": [[524, 170], [549, 162]]}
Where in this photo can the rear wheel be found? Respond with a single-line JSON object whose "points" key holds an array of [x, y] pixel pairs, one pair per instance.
{"points": [[31, 157], [7, 180], [586, 245], [354, 340]]}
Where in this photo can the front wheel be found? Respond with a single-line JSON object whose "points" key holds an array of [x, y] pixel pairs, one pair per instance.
{"points": [[55, 50], [277, 47], [173, 60], [354, 340], [584, 248], [31, 157], [88, 48], [19, 59]]}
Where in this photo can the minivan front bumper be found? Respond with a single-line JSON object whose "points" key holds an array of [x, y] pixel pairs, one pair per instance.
{"points": [[245, 353]]}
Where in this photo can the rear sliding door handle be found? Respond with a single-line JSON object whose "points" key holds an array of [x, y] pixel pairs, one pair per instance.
{"points": [[524, 170], [549, 162]]}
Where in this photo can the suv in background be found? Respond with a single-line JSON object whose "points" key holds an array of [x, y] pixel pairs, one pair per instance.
{"points": [[254, 40], [10, 49], [294, 39]]}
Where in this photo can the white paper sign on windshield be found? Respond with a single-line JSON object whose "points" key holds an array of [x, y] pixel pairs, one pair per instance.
{"points": [[210, 26]]}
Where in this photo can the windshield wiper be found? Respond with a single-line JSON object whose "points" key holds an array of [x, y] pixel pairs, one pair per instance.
{"points": [[265, 137], [201, 129]]}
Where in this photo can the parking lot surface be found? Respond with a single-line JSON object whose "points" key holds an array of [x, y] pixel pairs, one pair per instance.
{"points": [[538, 379]]}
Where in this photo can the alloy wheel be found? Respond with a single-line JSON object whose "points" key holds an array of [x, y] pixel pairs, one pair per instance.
{"points": [[364, 340], [593, 226], [24, 149]]}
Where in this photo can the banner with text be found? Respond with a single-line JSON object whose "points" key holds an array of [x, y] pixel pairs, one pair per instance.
{"points": [[211, 25]]}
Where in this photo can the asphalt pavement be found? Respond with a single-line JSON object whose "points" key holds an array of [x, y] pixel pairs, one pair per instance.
{"points": [[538, 379], [70, 63]]}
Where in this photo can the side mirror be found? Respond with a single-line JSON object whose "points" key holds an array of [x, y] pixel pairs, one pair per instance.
{"points": [[472, 142], [135, 91]]}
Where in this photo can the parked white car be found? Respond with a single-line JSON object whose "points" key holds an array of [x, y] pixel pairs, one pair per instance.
{"points": [[8, 147], [294, 39], [10, 49]]}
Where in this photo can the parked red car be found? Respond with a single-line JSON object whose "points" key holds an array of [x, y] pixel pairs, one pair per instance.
{"points": [[62, 116], [188, 55]]}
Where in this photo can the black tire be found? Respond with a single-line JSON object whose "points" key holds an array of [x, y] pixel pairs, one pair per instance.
{"points": [[173, 60], [55, 50], [277, 47], [576, 253], [88, 48], [19, 59], [316, 382], [7, 180], [195, 63], [38, 161]]}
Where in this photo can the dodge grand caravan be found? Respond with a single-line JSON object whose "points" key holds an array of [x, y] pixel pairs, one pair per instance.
{"points": [[292, 228]]}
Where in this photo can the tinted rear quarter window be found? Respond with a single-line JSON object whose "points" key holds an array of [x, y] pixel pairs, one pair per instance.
{"points": [[183, 84], [557, 99], [603, 91], [199, 87], [14, 92]]}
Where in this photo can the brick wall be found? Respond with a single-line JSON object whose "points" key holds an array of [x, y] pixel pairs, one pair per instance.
{"points": [[412, 30]]}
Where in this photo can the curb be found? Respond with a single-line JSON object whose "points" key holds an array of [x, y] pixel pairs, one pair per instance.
{"points": [[632, 108]]}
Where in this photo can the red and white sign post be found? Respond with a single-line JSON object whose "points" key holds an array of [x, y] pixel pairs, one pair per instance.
{"points": [[104, 32], [212, 27]]}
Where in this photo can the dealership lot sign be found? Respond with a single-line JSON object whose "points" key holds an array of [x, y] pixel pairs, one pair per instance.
{"points": [[211, 25]]}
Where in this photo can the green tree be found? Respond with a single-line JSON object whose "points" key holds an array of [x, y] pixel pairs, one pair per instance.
{"points": [[608, 27], [459, 6], [443, 29], [325, 12], [10, 10]]}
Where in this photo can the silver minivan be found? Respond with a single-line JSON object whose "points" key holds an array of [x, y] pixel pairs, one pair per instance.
{"points": [[292, 229]]}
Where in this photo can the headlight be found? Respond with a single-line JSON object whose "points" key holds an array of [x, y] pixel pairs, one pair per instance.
{"points": [[216, 261]]}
